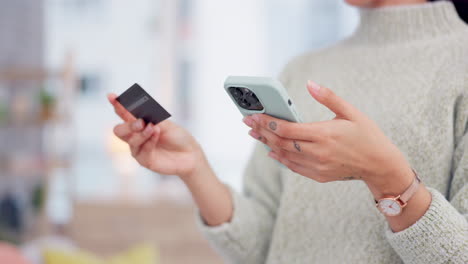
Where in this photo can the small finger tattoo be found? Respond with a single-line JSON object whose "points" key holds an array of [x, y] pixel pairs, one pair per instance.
{"points": [[272, 125], [297, 146], [260, 138]]}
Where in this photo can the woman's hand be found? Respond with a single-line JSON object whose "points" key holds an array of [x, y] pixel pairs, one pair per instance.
{"points": [[165, 148], [349, 147], [169, 149]]}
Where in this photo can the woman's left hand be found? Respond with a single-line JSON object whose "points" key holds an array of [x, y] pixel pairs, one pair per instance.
{"points": [[349, 147]]}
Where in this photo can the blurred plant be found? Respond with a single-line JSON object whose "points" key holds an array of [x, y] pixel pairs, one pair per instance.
{"points": [[38, 197], [46, 98], [3, 113], [47, 101]]}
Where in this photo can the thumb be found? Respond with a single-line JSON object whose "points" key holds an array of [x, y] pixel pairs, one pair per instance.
{"points": [[328, 98], [156, 135]]}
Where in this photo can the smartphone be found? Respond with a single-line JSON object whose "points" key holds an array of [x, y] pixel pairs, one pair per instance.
{"points": [[261, 95]]}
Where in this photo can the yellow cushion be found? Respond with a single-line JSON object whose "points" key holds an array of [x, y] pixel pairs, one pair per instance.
{"points": [[143, 254], [52, 256]]}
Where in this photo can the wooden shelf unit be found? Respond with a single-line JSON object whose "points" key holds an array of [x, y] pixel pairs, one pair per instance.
{"points": [[29, 82]]}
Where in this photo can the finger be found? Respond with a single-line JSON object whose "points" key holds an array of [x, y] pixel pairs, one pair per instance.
{"points": [[303, 152], [286, 129], [298, 168], [293, 166], [328, 98], [119, 109], [125, 130], [156, 135], [256, 134], [278, 143], [111, 97], [153, 141], [138, 139], [299, 158]]}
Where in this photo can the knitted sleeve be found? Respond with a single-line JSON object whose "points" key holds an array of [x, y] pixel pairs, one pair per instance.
{"points": [[246, 238], [441, 235]]}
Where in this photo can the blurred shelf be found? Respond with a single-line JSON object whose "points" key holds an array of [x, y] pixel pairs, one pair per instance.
{"points": [[32, 167], [35, 122], [28, 75]]}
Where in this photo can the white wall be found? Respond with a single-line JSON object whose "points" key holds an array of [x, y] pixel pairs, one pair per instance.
{"points": [[230, 40], [112, 38]]}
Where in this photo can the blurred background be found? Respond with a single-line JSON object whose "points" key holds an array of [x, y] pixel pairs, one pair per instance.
{"points": [[67, 184]]}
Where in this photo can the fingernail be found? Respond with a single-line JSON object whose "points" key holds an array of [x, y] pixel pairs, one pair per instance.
{"points": [[248, 121], [148, 130], [314, 87], [273, 155], [254, 134], [256, 117], [137, 125]]}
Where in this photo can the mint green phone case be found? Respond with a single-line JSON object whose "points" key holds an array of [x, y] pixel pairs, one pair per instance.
{"points": [[271, 94]]}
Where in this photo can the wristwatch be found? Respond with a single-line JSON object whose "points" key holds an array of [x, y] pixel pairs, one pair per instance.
{"points": [[393, 206]]}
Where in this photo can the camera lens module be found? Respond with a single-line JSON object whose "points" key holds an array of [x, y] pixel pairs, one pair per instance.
{"points": [[245, 98], [236, 92], [251, 99], [244, 103]]}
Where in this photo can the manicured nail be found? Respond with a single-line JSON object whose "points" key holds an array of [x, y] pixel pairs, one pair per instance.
{"points": [[137, 125], [256, 117], [248, 121], [254, 134], [314, 87], [273, 155], [148, 131]]}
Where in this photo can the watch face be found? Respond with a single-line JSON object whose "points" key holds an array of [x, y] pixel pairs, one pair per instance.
{"points": [[389, 207]]}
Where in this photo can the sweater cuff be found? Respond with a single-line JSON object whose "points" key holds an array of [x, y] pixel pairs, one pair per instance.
{"points": [[440, 235], [223, 237]]}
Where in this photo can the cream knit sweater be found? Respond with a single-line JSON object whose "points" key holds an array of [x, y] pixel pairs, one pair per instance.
{"points": [[406, 68]]}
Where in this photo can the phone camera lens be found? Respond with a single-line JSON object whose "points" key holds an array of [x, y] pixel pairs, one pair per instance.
{"points": [[245, 98], [245, 103], [236, 92], [252, 100]]}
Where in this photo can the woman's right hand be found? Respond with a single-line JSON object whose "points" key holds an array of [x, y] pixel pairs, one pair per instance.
{"points": [[165, 148], [169, 149]]}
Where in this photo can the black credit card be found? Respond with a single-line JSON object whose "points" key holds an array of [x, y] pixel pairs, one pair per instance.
{"points": [[138, 102]]}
